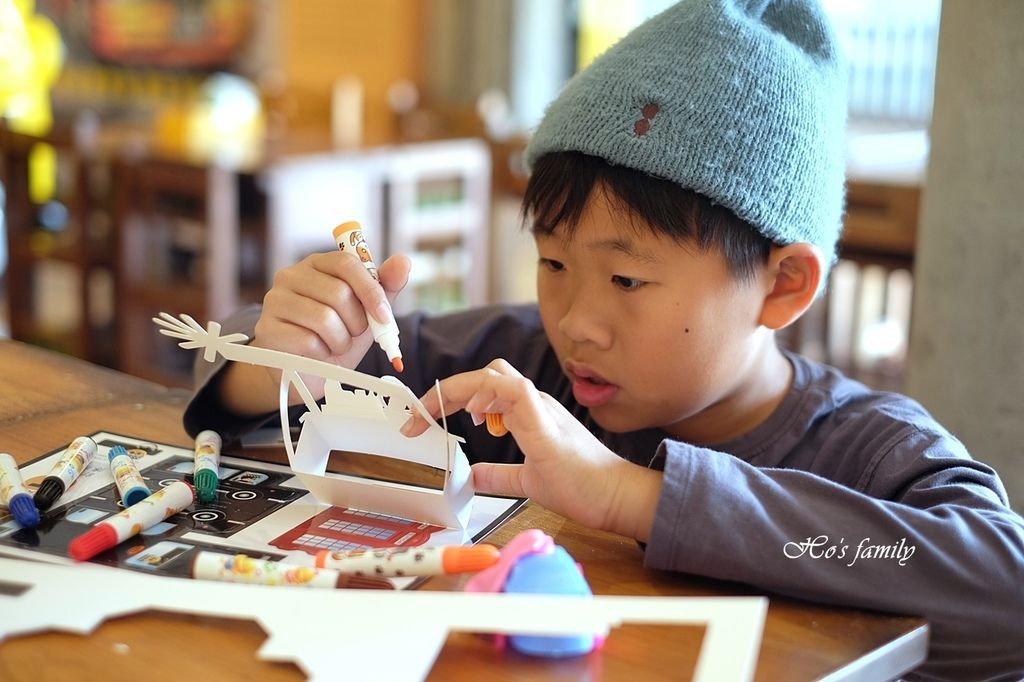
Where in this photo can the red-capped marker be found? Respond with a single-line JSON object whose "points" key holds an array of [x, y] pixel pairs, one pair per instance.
{"points": [[144, 514]]}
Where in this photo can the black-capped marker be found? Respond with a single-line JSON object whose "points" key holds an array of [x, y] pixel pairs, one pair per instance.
{"points": [[65, 471]]}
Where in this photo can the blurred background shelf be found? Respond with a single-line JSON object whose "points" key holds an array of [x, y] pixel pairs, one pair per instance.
{"points": [[202, 146]]}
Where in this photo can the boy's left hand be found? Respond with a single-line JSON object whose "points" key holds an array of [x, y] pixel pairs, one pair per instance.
{"points": [[566, 468]]}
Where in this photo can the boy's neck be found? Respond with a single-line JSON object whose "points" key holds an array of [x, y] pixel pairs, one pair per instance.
{"points": [[754, 398]]}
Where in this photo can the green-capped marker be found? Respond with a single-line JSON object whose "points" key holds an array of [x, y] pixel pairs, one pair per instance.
{"points": [[207, 464]]}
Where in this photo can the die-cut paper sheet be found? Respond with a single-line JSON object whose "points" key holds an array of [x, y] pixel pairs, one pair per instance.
{"points": [[415, 623], [362, 413]]}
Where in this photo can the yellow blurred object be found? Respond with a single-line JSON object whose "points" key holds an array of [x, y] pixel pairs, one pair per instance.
{"points": [[42, 173], [170, 130], [31, 55], [601, 24], [15, 53], [225, 123]]}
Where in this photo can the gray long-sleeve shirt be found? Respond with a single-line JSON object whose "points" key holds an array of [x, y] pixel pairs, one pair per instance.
{"points": [[843, 495]]}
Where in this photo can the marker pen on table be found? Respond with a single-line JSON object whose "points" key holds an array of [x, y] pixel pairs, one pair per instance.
{"points": [[410, 561], [130, 484], [207, 463], [65, 472], [144, 514], [349, 237], [14, 495], [244, 569]]}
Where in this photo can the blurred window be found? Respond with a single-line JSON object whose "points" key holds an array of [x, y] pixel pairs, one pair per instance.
{"points": [[890, 48]]}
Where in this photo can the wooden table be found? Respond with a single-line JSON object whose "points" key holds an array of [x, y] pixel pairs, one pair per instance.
{"points": [[47, 399]]}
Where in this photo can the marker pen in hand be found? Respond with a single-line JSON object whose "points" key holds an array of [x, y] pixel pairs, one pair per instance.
{"points": [[14, 495], [349, 237], [65, 471], [142, 515]]}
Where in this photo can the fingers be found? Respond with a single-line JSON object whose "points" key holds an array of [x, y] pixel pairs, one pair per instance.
{"points": [[457, 391], [498, 479], [394, 275], [319, 305], [495, 390], [352, 276], [294, 321]]}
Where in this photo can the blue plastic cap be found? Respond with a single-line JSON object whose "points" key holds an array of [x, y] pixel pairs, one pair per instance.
{"points": [[24, 511], [135, 494], [116, 451]]}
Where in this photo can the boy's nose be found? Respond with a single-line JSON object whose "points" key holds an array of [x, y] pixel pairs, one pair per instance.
{"points": [[585, 321]]}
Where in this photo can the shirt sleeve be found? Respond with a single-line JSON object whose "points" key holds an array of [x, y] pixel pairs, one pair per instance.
{"points": [[205, 410], [927, 533]]}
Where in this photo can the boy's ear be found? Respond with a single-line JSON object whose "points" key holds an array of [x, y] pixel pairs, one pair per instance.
{"points": [[793, 276]]}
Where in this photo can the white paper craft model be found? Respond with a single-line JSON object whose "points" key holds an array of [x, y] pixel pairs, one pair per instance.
{"points": [[365, 419]]}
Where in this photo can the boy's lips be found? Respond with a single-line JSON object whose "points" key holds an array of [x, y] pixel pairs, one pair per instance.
{"points": [[588, 387]]}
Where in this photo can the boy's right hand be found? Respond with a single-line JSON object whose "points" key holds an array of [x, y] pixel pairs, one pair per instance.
{"points": [[317, 309]]}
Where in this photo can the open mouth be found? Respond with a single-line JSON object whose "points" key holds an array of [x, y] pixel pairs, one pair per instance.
{"points": [[589, 388]]}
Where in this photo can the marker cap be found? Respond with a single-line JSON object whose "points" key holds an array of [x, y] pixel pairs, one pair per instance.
{"points": [[206, 485], [24, 511], [92, 542], [469, 559], [136, 494], [49, 492], [345, 227]]}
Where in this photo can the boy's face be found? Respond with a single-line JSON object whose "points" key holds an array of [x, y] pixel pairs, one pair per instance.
{"points": [[651, 333]]}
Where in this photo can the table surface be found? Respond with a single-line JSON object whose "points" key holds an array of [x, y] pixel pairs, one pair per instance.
{"points": [[47, 399]]}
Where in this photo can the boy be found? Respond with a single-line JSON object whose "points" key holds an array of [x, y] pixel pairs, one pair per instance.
{"points": [[686, 200]]}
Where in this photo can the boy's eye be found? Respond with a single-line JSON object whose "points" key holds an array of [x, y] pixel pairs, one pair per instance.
{"points": [[627, 283], [552, 265]]}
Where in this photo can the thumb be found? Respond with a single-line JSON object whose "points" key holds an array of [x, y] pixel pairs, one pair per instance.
{"points": [[498, 479], [394, 275]]}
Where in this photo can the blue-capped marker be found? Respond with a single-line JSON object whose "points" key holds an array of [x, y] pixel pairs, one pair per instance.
{"points": [[130, 484], [14, 495]]}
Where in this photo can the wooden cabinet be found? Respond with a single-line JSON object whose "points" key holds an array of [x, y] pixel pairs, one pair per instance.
{"points": [[60, 271], [190, 241]]}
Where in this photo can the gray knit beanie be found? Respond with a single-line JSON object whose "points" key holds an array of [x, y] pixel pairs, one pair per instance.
{"points": [[742, 101]]}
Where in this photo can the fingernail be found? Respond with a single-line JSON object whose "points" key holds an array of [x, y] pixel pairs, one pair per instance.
{"points": [[477, 418], [382, 313]]}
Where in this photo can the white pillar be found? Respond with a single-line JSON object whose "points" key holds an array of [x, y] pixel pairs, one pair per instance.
{"points": [[966, 361]]}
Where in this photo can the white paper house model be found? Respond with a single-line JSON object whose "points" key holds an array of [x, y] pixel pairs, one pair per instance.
{"points": [[362, 414]]}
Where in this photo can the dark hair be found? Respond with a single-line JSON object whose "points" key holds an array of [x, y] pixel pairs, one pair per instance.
{"points": [[561, 184]]}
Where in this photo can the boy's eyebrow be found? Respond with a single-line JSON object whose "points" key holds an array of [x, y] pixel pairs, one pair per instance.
{"points": [[624, 247]]}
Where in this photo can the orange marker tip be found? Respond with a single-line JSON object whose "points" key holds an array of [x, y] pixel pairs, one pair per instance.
{"points": [[398, 364]]}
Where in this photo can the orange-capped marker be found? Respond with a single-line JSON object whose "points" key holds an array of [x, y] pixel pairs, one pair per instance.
{"points": [[410, 561], [349, 238], [495, 424]]}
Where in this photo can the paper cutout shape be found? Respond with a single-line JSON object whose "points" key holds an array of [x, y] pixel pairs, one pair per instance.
{"points": [[415, 623], [365, 418]]}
